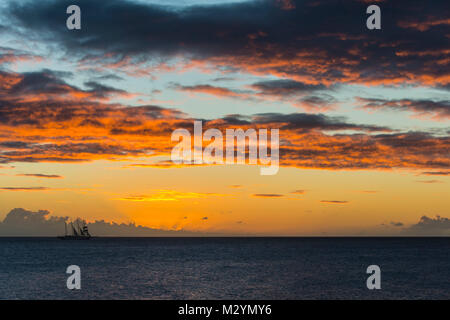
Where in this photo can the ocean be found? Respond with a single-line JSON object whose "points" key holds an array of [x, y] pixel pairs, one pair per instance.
{"points": [[225, 268]]}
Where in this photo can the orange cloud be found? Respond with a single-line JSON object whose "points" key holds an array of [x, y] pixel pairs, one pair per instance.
{"points": [[298, 192], [424, 25], [267, 195], [437, 173], [10, 56], [80, 129], [24, 189], [169, 195], [40, 175], [429, 181], [286, 4], [165, 164], [436, 110], [212, 90], [334, 201]]}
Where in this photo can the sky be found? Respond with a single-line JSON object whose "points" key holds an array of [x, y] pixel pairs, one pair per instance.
{"points": [[86, 116]]}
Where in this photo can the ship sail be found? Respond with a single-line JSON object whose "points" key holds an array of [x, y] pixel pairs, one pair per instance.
{"points": [[85, 230], [75, 230], [75, 233], [80, 231]]}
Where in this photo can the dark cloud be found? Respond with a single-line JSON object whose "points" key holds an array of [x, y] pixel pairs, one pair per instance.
{"points": [[397, 224], [438, 226], [335, 201], [320, 102], [14, 145], [310, 97], [213, 90], [283, 90], [438, 110], [10, 55], [108, 76], [40, 175], [24, 189], [50, 83], [376, 151], [304, 121], [21, 222], [318, 41], [220, 79], [429, 181], [58, 73], [436, 173], [57, 127], [101, 90], [40, 98], [39, 83], [285, 87], [75, 148], [267, 195]]}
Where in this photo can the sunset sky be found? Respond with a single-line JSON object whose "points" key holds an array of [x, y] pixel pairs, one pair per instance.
{"points": [[86, 116]]}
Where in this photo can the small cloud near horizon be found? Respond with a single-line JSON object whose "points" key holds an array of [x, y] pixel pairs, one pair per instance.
{"points": [[429, 181], [334, 201], [438, 226], [168, 195], [40, 175], [298, 192], [267, 195], [436, 173], [24, 189]]}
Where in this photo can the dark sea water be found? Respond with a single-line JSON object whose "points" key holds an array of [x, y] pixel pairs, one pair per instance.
{"points": [[225, 268]]}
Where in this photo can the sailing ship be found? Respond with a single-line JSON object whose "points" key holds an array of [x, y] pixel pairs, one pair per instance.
{"points": [[75, 231]]}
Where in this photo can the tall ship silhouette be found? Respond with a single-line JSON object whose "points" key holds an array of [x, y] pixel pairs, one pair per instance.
{"points": [[76, 231]]}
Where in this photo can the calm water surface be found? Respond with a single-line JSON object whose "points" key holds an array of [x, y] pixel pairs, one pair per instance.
{"points": [[225, 268]]}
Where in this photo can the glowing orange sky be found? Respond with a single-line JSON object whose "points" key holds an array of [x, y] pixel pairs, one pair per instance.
{"points": [[363, 117]]}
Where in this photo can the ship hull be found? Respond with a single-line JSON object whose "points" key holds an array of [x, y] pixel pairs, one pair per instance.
{"points": [[74, 238]]}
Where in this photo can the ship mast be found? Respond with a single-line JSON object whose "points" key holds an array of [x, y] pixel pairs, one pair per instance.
{"points": [[75, 233], [80, 230], [85, 229]]}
